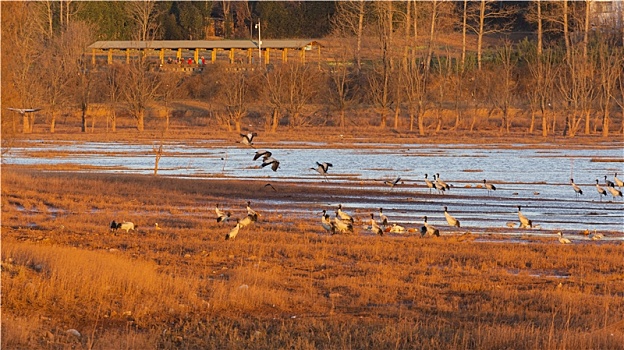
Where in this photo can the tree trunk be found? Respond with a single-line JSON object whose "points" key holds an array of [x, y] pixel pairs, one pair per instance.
{"points": [[52, 122], [411, 116], [113, 120], [566, 35], [359, 35], [464, 26], [421, 122], [83, 121], [532, 125], [586, 29], [540, 32], [26, 124], [480, 33], [544, 124], [275, 122], [342, 118], [605, 122], [140, 118], [434, 7]]}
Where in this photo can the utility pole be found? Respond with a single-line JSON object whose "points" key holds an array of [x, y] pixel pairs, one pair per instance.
{"points": [[259, 43]]}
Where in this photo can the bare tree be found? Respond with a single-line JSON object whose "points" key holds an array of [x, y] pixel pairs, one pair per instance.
{"points": [[342, 88], [481, 16], [415, 92], [274, 91], [610, 62], [577, 88], [113, 80], [144, 14], [139, 88], [167, 90], [542, 71], [349, 20], [505, 90], [301, 86], [234, 91]]}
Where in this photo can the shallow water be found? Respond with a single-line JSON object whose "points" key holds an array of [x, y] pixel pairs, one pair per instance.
{"points": [[535, 177]]}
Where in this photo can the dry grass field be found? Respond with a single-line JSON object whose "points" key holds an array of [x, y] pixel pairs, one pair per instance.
{"points": [[282, 282]]}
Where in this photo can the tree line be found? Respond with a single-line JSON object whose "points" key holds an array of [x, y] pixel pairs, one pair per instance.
{"points": [[418, 66]]}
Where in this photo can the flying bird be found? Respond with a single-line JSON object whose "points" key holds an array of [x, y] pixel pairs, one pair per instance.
{"points": [[274, 163], [322, 168], [248, 138], [392, 183], [23, 111], [262, 153]]}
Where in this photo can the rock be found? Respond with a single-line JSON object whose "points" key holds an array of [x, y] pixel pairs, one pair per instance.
{"points": [[73, 332]]}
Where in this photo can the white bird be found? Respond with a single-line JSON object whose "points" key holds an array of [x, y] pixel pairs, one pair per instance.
{"points": [[233, 232], [342, 215], [251, 212], [327, 224], [382, 217], [438, 186], [576, 188], [618, 182], [428, 229], [156, 227], [248, 138], [392, 183], [23, 111], [614, 192], [562, 239], [489, 187], [524, 222], [428, 183], [342, 226], [247, 220], [221, 215], [596, 236], [262, 153], [451, 220], [322, 168], [442, 183], [608, 183], [395, 229], [127, 225], [601, 191], [274, 163], [374, 226]]}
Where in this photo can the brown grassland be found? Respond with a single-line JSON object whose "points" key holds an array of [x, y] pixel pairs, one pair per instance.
{"points": [[283, 282]]}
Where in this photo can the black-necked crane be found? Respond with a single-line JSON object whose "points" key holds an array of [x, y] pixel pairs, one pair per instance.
{"points": [[438, 186], [489, 187], [596, 236], [322, 168], [601, 191], [614, 192], [262, 153], [342, 226], [428, 230], [374, 226], [562, 239], [221, 215], [428, 183], [393, 182], [247, 220], [23, 111], [450, 219], [233, 232], [618, 182], [441, 182], [274, 163], [576, 188], [327, 224], [524, 222], [382, 217], [342, 215], [608, 182], [251, 212], [248, 138]]}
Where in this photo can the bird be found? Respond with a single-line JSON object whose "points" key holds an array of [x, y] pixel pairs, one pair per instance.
{"points": [[601, 191], [23, 111], [451, 220], [327, 224], [251, 212], [262, 153], [438, 186], [342, 226], [221, 215], [576, 188], [342, 215], [596, 236], [113, 226], [395, 229], [248, 138], [562, 239], [442, 183], [233, 232], [428, 230], [618, 182], [614, 192], [428, 183], [374, 226], [608, 182], [274, 163], [156, 227], [489, 187], [392, 183], [322, 168], [382, 217], [247, 220], [269, 185], [524, 222]]}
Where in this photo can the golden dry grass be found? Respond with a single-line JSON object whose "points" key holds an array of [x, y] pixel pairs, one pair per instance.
{"points": [[282, 283]]}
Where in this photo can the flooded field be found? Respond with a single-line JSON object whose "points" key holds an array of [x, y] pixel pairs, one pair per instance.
{"points": [[534, 177]]}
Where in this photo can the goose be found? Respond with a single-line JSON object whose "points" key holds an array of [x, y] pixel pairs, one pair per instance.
{"points": [[601, 191], [327, 224], [262, 153], [428, 229], [392, 183], [438, 186], [274, 163], [374, 226], [322, 168], [233, 232], [562, 239], [608, 182], [524, 222], [342, 226], [23, 111], [221, 215], [614, 192], [451, 220], [489, 187], [382, 217], [428, 183], [248, 138], [251, 212], [618, 182], [342, 215], [442, 183], [576, 188]]}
